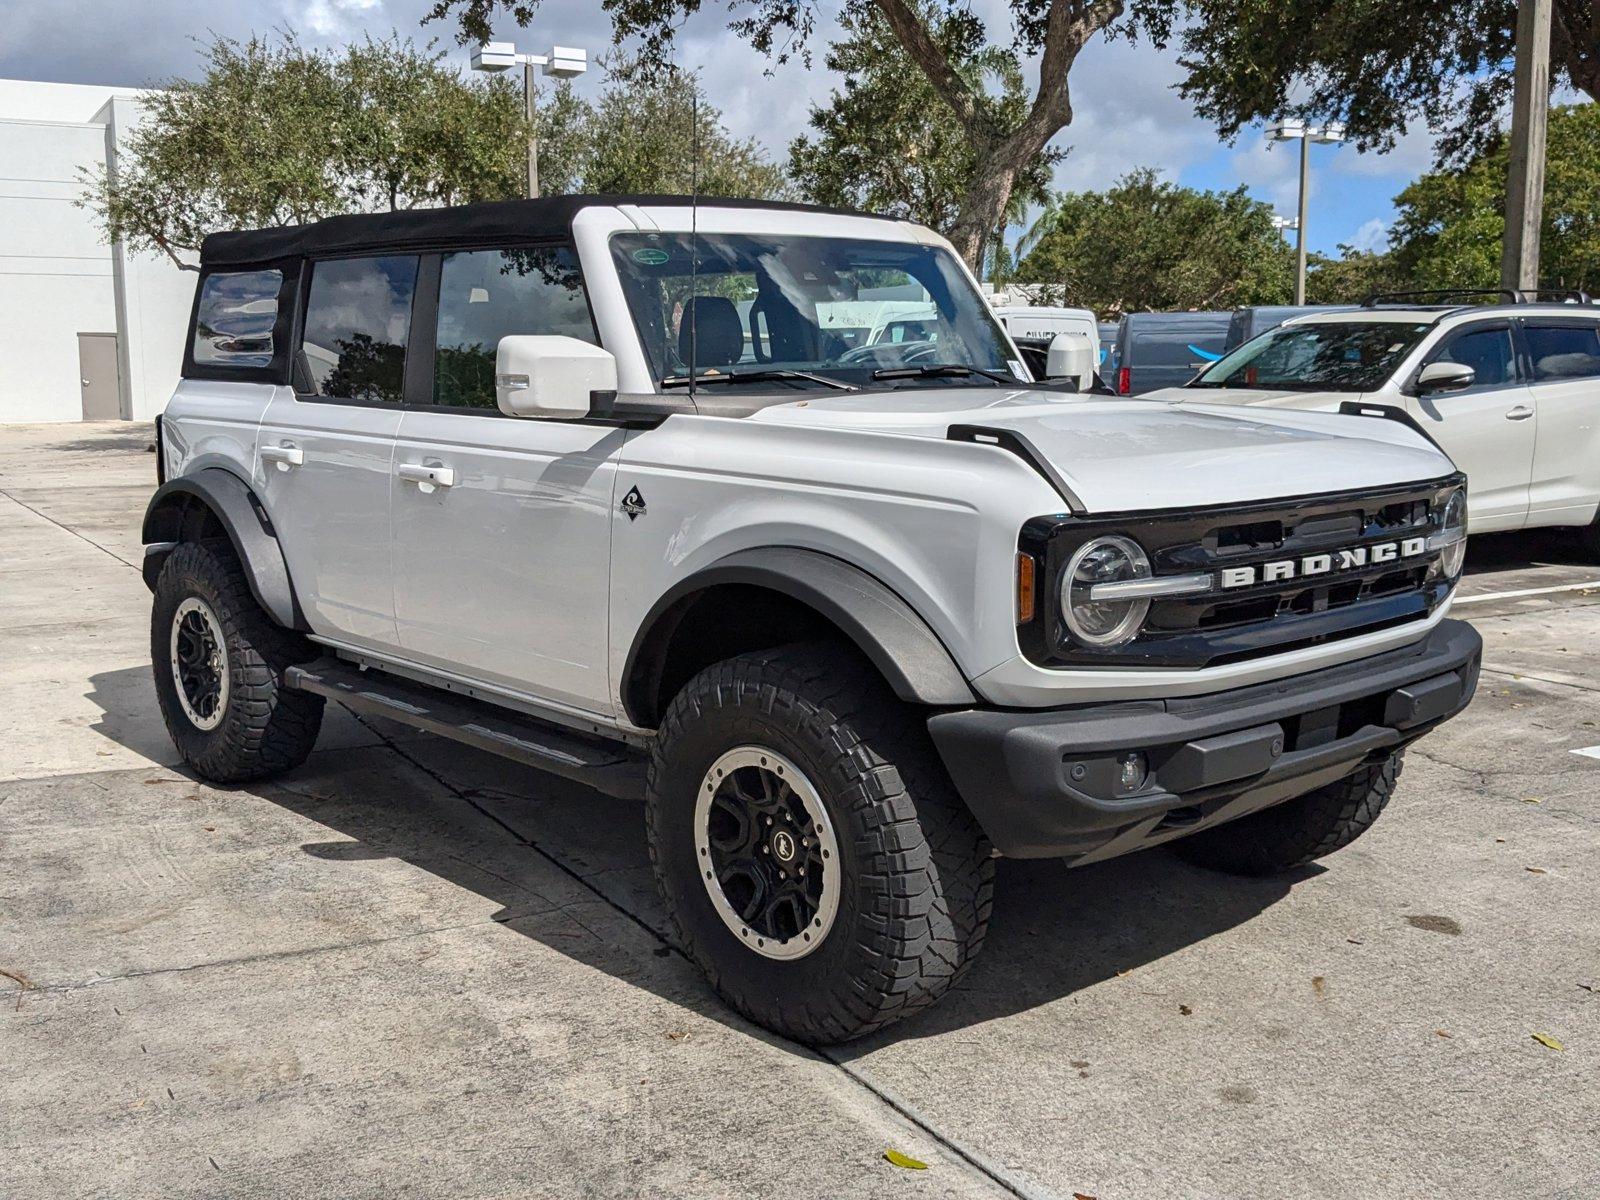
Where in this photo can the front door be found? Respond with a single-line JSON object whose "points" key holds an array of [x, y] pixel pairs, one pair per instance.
{"points": [[98, 376], [325, 450], [502, 525], [1488, 429]]}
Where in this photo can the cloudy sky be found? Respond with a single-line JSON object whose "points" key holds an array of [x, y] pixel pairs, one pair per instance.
{"points": [[1127, 114]]}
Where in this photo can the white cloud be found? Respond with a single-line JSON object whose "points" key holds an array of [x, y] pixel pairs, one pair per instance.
{"points": [[1373, 236]]}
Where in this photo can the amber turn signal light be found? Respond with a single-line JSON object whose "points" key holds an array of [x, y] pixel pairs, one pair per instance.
{"points": [[1024, 588]]}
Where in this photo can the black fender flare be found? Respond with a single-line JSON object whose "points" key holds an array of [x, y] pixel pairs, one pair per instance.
{"points": [[249, 529], [898, 642]]}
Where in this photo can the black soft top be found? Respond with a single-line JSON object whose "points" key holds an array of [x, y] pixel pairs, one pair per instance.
{"points": [[428, 228]]}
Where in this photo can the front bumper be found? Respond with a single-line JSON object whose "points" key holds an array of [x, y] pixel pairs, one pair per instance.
{"points": [[1049, 784]]}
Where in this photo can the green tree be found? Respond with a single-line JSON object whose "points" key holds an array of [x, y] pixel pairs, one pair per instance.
{"points": [[1378, 67], [1147, 244], [275, 134], [1056, 31], [1352, 277], [644, 133], [1451, 222], [886, 143]]}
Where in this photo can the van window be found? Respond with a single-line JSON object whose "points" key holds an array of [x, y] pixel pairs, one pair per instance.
{"points": [[1564, 351], [484, 295], [358, 319], [235, 317]]}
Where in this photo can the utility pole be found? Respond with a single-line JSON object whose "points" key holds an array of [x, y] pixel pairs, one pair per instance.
{"points": [[1291, 129], [1300, 221], [1530, 110], [533, 136], [563, 62]]}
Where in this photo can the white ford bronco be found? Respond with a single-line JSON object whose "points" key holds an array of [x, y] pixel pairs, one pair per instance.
{"points": [[628, 489]]}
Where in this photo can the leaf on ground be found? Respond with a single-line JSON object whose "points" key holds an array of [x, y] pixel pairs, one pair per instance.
{"points": [[1444, 1033], [1319, 985], [905, 1161], [1544, 1039], [1082, 1196], [1535, 870], [1185, 1011], [677, 1035], [1532, 800]]}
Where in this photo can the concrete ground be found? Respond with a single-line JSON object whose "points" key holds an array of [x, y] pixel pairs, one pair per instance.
{"points": [[411, 969]]}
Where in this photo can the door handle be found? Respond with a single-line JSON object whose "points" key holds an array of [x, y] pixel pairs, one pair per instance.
{"points": [[285, 456], [1520, 413], [425, 475]]}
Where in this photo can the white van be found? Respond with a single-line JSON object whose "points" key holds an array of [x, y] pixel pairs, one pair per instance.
{"points": [[1033, 327]]}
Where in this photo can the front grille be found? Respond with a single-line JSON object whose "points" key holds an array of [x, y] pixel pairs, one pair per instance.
{"points": [[1264, 617]]}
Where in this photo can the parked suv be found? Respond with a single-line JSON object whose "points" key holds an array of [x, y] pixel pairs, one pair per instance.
{"points": [[587, 483], [1510, 389]]}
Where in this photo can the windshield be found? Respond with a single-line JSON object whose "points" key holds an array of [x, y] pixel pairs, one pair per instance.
{"points": [[797, 311], [1335, 356]]}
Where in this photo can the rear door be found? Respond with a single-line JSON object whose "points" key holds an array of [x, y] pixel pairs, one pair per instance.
{"points": [[1488, 428], [325, 448], [1563, 358], [503, 575]]}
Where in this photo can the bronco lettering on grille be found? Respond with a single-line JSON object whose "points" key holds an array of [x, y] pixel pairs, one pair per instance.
{"points": [[1323, 564]]}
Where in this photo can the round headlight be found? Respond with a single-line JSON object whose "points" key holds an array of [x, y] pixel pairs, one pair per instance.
{"points": [[1103, 620], [1453, 535]]}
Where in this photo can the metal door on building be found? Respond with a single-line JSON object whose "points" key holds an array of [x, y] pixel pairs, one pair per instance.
{"points": [[98, 376]]}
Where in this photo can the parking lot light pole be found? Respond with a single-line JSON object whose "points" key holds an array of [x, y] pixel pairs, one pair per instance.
{"points": [[1292, 129], [563, 62], [1519, 256]]}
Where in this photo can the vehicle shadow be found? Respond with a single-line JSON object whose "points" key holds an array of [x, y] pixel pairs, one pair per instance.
{"points": [[1055, 931], [1489, 552]]}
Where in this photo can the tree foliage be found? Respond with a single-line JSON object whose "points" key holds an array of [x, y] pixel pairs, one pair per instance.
{"points": [[1147, 244], [1352, 277], [274, 134], [1004, 151], [645, 133], [886, 143], [1375, 66], [1451, 223]]}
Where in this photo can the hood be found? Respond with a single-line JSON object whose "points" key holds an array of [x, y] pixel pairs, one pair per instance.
{"points": [[1277, 398], [1137, 454]]}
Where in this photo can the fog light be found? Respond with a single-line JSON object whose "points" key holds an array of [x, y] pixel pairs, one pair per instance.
{"points": [[1132, 771]]}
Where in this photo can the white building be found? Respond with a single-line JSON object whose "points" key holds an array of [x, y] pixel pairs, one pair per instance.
{"points": [[85, 328]]}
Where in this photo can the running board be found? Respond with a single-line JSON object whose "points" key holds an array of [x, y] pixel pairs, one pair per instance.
{"points": [[608, 767]]}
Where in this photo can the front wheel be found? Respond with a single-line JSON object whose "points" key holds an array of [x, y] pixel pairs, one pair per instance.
{"points": [[1298, 831], [219, 663], [814, 858]]}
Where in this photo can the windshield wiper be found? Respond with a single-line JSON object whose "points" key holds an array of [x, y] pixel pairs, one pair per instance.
{"points": [[936, 370], [767, 376]]}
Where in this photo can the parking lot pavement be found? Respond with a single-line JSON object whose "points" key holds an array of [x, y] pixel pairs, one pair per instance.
{"points": [[408, 968]]}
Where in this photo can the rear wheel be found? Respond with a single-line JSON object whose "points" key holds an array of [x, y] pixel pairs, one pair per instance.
{"points": [[219, 663], [811, 852], [1298, 831]]}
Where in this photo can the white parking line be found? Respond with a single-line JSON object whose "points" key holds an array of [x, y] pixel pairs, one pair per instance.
{"points": [[1588, 752], [1544, 591]]}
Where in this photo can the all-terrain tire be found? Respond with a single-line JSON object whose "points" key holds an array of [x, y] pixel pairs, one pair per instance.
{"points": [[264, 728], [916, 875], [1298, 831]]}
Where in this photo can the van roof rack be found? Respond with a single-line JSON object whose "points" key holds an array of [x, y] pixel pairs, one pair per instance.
{"points": [[1443, 297]]}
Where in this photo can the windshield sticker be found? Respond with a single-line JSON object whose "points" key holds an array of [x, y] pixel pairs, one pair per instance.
{"points": [[650, 256]]}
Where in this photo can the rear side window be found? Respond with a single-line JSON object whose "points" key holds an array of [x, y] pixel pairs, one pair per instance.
{"points": [[1564, 351], [358, 322], [235, 317], [485, 295]]}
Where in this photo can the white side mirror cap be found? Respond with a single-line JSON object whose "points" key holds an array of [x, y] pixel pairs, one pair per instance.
{"points": [[1444, 377], [1071, 356], [550, 376]]}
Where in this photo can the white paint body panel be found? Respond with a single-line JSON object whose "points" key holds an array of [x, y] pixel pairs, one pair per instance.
{"points": [[503, 575]]}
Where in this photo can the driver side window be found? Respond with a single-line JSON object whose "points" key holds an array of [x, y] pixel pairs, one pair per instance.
{"points": [[1489, 352]]}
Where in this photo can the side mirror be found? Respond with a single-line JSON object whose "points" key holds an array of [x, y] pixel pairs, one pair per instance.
{"points": [[1444, 377], [1071, 356], [549, 376]]}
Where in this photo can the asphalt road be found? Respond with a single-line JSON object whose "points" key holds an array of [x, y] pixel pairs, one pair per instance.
{"points": [[409, 969]]}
